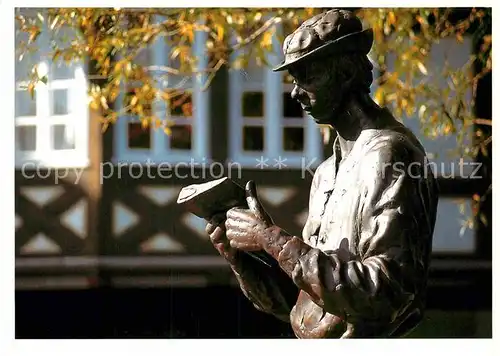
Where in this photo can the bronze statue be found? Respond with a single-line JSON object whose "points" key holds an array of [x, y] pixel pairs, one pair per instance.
{"points": [[360, 267]]}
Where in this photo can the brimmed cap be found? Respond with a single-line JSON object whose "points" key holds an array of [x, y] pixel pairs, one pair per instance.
{"points": [[334, 31]]}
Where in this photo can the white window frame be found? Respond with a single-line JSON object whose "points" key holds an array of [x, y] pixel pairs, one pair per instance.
{"points": [[44, 155], [273, 121], [160, 150]]}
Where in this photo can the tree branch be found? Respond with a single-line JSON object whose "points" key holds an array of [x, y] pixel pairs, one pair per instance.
{"points": [[256, 33]]}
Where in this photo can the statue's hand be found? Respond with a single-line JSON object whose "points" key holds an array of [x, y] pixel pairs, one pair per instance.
{"points": [[217, 232], [245, 228]]}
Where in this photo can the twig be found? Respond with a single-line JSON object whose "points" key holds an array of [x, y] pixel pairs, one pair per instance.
{"points": [[482, 122], [212, 74], [256, 33]]}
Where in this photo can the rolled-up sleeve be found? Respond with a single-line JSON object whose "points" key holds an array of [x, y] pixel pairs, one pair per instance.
{"points": [[394, 240]]}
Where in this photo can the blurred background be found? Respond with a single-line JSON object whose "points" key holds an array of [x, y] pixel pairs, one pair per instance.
{"points": [[118, 109]]}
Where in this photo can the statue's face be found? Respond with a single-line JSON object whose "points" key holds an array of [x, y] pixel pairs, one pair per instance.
{"points": [[316, 90]]}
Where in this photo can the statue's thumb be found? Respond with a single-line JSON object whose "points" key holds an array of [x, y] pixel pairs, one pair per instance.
{"points": [[253, 200]]}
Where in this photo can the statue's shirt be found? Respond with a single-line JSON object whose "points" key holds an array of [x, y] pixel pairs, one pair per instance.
{"points": [[363, 257]]}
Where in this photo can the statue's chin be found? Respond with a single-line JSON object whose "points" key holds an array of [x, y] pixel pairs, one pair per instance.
{"points": [[322, 119]]}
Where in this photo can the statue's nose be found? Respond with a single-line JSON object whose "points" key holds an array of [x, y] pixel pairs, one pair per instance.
{"points": [[299, 95]]}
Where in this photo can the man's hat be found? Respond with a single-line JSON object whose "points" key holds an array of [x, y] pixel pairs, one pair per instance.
{"points": [[334, 31]]}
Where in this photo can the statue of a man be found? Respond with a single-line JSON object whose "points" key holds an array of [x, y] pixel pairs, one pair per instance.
{"points": [[360, 268]]}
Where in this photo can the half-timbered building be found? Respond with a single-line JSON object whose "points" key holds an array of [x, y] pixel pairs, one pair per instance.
{"points": [[97, 213]]}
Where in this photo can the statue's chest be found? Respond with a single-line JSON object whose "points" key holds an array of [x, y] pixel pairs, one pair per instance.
{"points": [[334, 210]]}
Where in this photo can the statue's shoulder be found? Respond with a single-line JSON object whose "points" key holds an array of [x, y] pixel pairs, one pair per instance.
{"points": [[396, 142], [327, 167]]}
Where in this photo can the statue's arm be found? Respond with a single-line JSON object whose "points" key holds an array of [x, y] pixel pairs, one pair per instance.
{"points": [[386, 276], [269, 289]]}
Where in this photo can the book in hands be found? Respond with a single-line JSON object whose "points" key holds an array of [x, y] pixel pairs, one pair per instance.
{"points": [[208, 199]]}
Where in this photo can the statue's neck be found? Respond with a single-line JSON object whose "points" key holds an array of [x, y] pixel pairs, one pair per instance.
{"points": [[358, 113]]}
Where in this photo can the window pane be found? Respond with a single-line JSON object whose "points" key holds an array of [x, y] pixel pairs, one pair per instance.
{"points": [[253, 104], [25, 105], [253, 138], [59, 102], [138, 137], [181, 137], [63, 137], [293, 138], [26, 138], [291, 107], [182, 105]]}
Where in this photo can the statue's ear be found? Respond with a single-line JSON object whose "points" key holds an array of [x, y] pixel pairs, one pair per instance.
{"points": [[348, 78]]}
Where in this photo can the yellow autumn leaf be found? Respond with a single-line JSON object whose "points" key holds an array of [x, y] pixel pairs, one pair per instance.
{"points": [[447, 129], [189, 32], [54, 22], [409, 110], [392, 18], [422, 68], [104, 103], [167, 130], [391, 97], [379, 96], [104, 127], [31, 90], [220, 33], [157, 122], [421, 112], [175, 52], [267, 39], [113, 95], [94, 105]]}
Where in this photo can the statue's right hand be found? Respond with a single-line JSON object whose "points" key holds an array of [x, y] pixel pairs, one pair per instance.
{"points": [[217, 231]]}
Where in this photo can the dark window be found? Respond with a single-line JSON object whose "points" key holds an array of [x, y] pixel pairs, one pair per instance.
{"points": [[293, 138], [253, 104], [253, 138], [139, 137], [182, 105], [181, 137]]}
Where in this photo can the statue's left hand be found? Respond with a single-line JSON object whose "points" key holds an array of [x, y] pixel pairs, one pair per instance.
{"points": [[245, 228]]}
